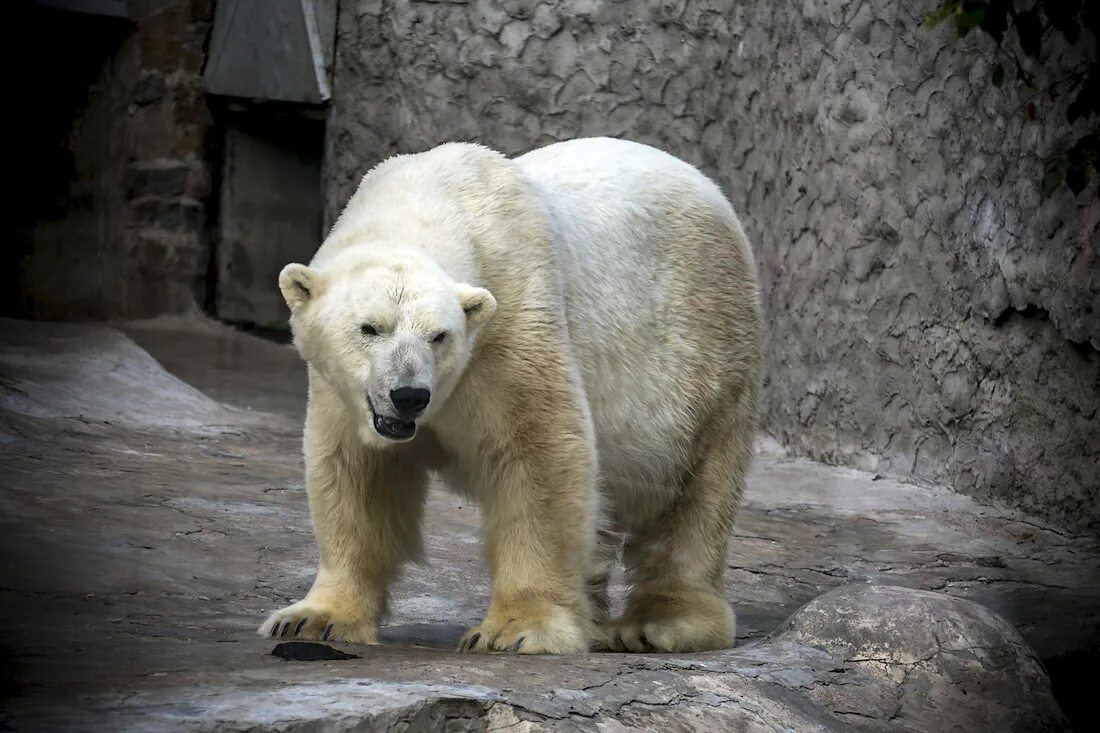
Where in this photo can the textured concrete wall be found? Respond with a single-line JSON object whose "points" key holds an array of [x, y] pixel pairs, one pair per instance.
{"points": [[124, 233], [928, 316]]}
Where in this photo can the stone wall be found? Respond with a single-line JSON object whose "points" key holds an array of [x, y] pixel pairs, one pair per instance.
{"points": [[927, 315], [124, 234]]}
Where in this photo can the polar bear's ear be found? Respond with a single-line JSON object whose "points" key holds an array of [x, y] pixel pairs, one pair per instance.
{"points": [[300, 284], [478, 303]]}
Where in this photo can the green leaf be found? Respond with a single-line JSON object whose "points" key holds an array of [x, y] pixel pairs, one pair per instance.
{"points": [[1056, 169], [1051, 181], [998, 76], [968, 20], [946, 9]]}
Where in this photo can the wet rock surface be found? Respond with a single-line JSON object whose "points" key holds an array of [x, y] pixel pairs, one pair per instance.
{"points": [[152, 512]]}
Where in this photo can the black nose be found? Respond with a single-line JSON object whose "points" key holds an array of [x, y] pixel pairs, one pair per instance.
{"points": [[410, 400]]}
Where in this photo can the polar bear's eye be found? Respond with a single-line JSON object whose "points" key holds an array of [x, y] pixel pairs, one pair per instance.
{"points": [[368, 330], [439, 337]]}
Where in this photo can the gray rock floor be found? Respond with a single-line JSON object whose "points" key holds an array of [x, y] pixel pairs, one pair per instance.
{"points": [[152, 512]]}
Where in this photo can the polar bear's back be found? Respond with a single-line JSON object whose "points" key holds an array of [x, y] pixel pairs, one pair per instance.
{"points": [[660, 296], [616, 170]]}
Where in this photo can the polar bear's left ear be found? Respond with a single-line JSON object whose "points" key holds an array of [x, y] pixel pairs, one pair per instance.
{"points": [[478, 304], [300, 284]]}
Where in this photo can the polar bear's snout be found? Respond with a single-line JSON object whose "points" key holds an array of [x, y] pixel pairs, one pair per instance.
{"points": [[410, 401], [397, 420]]}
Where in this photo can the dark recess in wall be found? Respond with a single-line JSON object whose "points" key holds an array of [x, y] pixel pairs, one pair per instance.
{"points": [[52, 57], [269, 206]]}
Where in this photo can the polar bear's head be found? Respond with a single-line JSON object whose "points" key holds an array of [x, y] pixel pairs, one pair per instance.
{"points": [[391, 336]]}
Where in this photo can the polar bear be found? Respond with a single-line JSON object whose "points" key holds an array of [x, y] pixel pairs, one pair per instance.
{"points": [[570, 338]]}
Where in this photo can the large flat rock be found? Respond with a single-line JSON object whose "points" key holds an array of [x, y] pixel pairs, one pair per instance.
{"points": [[152, 512]]}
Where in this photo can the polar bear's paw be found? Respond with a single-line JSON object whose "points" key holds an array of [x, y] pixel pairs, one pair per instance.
{"points": [[527, 628], [306, 620], [693, 622]]}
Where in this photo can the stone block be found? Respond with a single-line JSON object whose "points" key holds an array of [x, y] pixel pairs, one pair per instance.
{"points": [[190, 106], [190, 143], [159, 178], [149, 88], [170, 215], [160, 38], [165, 254]]}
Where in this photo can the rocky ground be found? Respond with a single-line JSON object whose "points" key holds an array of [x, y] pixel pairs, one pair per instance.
{"points": [[152, 512]]}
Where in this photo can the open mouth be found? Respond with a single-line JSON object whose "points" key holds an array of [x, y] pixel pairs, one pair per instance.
{"points": [[390, 427], [393, 429]]}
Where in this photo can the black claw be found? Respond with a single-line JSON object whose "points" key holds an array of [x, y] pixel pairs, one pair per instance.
{"points": [[519, 642], [275, 630], [286, 628], [298, 628], [472, 642], [328, 630]]}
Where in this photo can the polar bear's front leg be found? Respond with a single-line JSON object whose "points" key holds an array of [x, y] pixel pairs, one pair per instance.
{"points": [[366, 508], [539, 519]]}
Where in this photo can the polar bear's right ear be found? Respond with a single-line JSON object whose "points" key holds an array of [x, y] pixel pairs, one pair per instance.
{"points": [[300, 284]]}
